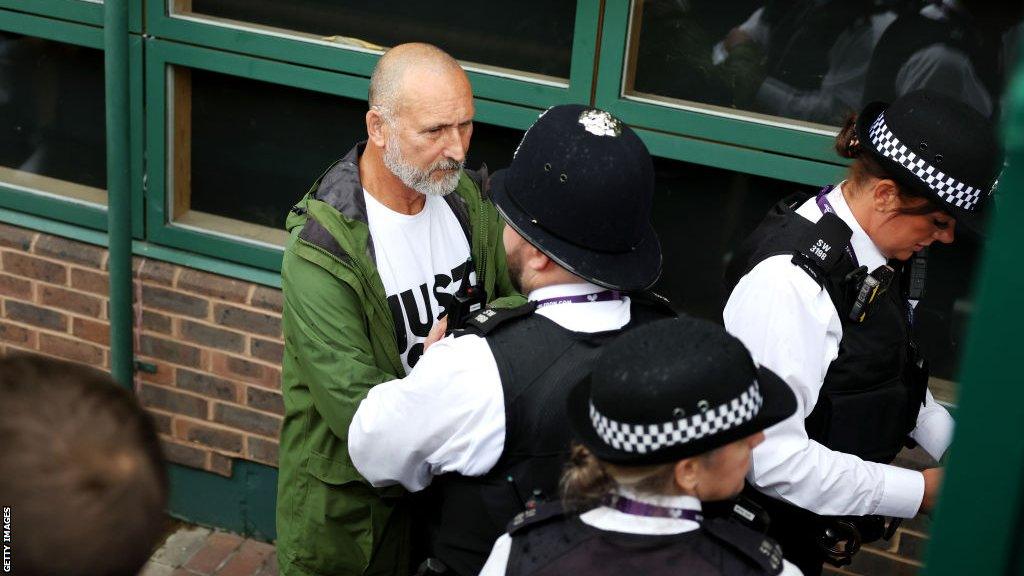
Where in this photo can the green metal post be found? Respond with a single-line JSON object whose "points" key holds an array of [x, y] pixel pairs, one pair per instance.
{"points": [[119, 208], [978, 527]]}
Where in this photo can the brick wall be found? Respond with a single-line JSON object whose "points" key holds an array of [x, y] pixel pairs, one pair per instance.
{"points": [[215, 342]]}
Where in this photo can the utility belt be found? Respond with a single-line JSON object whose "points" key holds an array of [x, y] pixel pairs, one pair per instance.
{"points": [[836, 538]]}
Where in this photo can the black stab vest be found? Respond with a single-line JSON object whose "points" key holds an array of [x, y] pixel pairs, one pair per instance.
{"points": [[874, 389], [913, 32], [539, 362], [555, 544]]}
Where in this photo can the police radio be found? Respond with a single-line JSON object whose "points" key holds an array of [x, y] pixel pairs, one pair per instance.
{"points": [[465, 303], [871, 287]]}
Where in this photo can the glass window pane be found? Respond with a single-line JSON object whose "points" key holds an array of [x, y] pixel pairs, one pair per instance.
{"points": [[533, 36], [697, 249], [52, 127], [816, 61], [250, 149]]}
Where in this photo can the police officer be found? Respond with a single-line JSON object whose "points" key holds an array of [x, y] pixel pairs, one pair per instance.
{"points": [[485, 411], [667, 419], [824, 293]]}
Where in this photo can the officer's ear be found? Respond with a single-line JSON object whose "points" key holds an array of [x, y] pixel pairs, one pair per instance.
{"points": [[687, 475], [885, 195], [537, 260]]}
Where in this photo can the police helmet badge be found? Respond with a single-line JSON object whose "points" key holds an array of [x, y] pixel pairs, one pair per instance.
{"points": [[600, 123]]}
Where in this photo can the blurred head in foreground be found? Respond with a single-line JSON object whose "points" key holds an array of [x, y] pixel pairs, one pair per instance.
{"points": [[81, 471]]}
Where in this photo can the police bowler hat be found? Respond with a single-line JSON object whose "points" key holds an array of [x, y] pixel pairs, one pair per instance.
{"points": [[580, 189], [938, 146], [673, 389]]}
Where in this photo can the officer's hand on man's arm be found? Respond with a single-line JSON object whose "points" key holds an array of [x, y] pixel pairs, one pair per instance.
{"points": [[932, 485]]}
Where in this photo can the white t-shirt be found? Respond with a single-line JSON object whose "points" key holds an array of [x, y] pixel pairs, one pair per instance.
{"points": [[422, 260]]}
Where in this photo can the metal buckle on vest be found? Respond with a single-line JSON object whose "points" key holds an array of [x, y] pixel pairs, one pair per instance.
{"points": [[840, 541]]}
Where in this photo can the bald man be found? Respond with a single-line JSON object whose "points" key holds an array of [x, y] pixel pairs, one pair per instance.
{"points": [[379, 247]]}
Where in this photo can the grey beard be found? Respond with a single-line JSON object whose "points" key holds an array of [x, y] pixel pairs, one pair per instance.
{"points": [[420, 180]]}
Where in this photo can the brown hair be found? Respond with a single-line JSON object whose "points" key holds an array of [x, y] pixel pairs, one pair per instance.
{"points": [[587, 479], [80, 469], [865, 168]]}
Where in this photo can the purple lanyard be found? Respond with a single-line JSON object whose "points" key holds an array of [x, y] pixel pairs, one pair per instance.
{"points": [[634, 508], [602, 296], [826, 207]]}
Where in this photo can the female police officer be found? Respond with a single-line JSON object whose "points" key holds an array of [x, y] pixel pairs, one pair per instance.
{"points": [[667, 419], [823, 295]]}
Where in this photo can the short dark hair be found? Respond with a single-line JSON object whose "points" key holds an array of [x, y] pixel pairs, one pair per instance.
{"points": [[80, 469]]}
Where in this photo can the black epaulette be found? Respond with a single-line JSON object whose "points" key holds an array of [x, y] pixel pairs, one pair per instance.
{"points": [[532, 517], [821, 248], [757, 547], [485, 321]]}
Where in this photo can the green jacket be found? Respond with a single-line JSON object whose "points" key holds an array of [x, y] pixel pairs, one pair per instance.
{"points": [[339, 342]]}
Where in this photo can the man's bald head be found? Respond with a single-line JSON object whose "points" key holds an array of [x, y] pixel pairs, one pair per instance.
{"points": [[388, 76]]}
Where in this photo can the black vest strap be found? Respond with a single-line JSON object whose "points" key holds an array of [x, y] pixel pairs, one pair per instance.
{"points": [[556, 543], [538, 362]]}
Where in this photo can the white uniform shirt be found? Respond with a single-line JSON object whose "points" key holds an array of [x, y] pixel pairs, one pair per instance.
{"points": [[790, 326], [448, 414], [612, 520], [422, 260]]}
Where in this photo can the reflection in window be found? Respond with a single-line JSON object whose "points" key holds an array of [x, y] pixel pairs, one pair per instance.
{"points": [[818, 60], [529, 35], [52, 127], [699, 230], [244, 151]]}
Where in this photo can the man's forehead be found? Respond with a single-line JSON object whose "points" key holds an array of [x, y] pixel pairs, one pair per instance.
{"points": [[425, 91]]}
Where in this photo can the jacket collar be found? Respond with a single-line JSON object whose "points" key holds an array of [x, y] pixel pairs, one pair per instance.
{"points": [[341, 188]]}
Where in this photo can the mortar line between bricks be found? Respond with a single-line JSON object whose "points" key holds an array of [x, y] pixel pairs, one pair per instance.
{"points": [[203, 447], [204, 322], [183, 391], [44, 330], [140, 355], [68, 287], [67, 312], [216, 298], [252, 359], [212, 424], [264, 412], [913, 532], [246, 307], [48, 355], [51, 260], [187, 392]]}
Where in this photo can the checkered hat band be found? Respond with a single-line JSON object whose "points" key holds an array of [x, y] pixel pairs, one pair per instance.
{"points": [[948, 188], [644, 438]]}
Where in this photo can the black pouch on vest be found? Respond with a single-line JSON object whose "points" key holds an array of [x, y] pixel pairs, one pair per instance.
{"points": [[465, 303]]}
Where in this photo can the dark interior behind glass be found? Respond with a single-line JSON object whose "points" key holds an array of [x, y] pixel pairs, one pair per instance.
{"points": [[529, 35]]}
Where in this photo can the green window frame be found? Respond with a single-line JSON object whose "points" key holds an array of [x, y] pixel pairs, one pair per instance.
{"points": [[195, 30], [82, 11], [161, 55], [47, 203], [704, 137]]}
